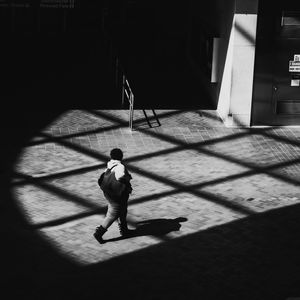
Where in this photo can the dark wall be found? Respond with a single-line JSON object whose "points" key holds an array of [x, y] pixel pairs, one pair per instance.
{"points": [[55, 64], [161, 44], [170, 44], [262, 90], [208, 20], [270, 45], [246, 7]]}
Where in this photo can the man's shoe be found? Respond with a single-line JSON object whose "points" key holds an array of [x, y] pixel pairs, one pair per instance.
{"points": [[124, 231], [99, 233]]}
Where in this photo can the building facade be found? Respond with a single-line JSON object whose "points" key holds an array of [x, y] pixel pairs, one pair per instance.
{"points": [[241, 56], [260, 82]]}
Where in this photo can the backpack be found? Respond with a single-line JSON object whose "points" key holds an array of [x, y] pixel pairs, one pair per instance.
{"points": [[110, 185]]}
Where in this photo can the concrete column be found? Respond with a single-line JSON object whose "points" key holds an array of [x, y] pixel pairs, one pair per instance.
{"points": [[236, 89]]}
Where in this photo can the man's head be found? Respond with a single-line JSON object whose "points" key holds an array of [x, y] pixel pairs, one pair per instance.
{"points": [[116, 154]]}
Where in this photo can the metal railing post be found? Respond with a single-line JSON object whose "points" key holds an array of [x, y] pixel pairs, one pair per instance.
{"points": [[119, 71], [131, 110], [123, 89], [129, 115]]}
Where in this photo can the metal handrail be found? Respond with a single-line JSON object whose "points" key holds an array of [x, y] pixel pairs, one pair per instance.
{"points": [[126, 91]]}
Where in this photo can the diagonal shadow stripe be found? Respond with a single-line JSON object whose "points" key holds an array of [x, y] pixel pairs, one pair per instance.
{"points": [[61, 221], [208, 183], [211, 153], [102, 210], [179, 187], [246, 34], [61, 173], [98, 130], [66, 196], [209, 115], [142, 199], [168, 193], [176, 141], [282, 139], [204, 194], [159, 195], [144, 156], [190, 146], [52, 139], [268, 170], [162, 179], [85, 169], [72, 197], [58, 191]]}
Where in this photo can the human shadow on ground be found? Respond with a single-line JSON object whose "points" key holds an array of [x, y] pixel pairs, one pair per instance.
{"points": [[252, 258], [154, 227]]}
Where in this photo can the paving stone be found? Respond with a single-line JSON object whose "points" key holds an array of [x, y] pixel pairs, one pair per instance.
{"points": [[191, 166]]}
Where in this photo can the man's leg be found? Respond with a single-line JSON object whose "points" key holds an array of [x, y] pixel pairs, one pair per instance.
{"points": [[110, 217], [122, 220]]}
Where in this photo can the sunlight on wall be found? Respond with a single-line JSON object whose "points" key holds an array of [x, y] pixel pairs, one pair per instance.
{"points": [[234, 106], [225, 91]]}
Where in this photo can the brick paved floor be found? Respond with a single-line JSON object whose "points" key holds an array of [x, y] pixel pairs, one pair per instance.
{"points": [[190, 167]]}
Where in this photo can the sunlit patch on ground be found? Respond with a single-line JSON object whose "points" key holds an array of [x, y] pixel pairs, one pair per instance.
{"points": [[190, 167]]}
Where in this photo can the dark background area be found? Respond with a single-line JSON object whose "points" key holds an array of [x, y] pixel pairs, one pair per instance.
{"points": [[45, 73], [67, 55]]}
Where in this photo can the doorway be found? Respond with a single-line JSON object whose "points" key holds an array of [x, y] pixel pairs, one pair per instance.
{"points": [[286, 67], [276, 95]]}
